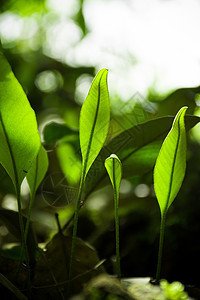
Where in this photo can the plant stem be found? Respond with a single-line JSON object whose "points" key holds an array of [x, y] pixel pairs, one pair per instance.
{"points": [[116, 200], [75, 234], [160, 252], [32, 197], [24, 245], [117, 238]]}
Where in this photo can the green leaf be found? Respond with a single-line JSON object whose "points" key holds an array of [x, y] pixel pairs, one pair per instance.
{"points": [[94, 120], [114, 169], [94, 124], [19, 136], [137, 148], [38, 170], [170, 165]]}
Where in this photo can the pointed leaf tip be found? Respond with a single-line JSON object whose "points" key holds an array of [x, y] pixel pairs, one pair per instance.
{"points": [[94, 119], [169, 170], [114, 168]]}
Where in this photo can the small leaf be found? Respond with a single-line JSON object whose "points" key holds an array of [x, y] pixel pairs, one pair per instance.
{"points": [[114, 169], [94, 120], [19, 136], [38, 170], [170, 165]]}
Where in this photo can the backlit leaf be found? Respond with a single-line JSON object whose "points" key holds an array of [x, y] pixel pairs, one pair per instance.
{"points": [[170, 165], [19, 136], [114, 169], [94, 120]]}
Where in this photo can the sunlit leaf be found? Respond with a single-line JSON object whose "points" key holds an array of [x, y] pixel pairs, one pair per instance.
{"points": [[114, 169], [170, 165], [94, 124], [19, 136], [94, 120]]}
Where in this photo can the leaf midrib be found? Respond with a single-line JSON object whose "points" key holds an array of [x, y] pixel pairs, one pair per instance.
{"points": [[93, 128], [173, 167]]}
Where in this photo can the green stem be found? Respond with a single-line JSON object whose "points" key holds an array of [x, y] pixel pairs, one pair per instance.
{"points": [[75, 234], [116, 199], [117, 238], [32, 197], [160, 252], [24, 245]]}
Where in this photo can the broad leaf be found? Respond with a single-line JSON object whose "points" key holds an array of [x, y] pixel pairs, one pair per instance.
{"points": [[170, 165], [114, 169], [19, 136], [94, 120], [38, 170], [137, 148]]}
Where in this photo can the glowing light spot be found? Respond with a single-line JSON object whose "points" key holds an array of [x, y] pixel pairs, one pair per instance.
{"points": [[142, 190]]}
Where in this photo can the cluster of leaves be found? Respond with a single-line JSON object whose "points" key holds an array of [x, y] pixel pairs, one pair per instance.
{"points": [[22, 155]]}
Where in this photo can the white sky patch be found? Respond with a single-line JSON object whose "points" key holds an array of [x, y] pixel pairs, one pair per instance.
{"points": [[11, 26], [63, 7], [142, 43]]}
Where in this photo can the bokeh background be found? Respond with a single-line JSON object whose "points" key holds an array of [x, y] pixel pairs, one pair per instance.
{"points": [[152, 52]]}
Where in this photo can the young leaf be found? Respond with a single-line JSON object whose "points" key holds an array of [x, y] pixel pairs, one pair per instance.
{"points": [[170, 165], [94, 124], [169, 172], [114, 169], [38, 170], [19, 136], [94, 120]]}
